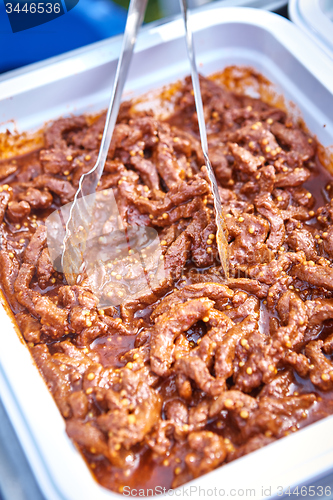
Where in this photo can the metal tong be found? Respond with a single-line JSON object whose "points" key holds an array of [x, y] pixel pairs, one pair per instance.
{"points": [[221, 240], [72, 257]]}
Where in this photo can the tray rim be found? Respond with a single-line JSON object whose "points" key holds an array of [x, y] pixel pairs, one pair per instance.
{"points": [[247, 16]]}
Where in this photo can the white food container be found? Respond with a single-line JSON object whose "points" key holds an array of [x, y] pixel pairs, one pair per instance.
{"points": [[172, 7], [315, 17], [80, 82]]}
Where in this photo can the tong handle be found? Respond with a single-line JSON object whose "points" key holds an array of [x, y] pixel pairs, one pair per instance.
{"points": [[221, 238], [136, 12]]}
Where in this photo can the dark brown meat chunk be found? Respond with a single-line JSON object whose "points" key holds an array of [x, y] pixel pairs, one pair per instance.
{"points": [[209, 451], [168, 326], [36, 198], [320, 276]]}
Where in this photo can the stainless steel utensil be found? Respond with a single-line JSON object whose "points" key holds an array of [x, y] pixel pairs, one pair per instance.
{"points": [[78, 219], [222, 243]]}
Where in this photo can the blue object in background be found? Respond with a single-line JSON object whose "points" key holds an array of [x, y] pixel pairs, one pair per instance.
{"points": [[90, 21]]}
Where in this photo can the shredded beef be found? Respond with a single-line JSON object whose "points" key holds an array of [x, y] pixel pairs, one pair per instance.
{"points": [[200, 370]]}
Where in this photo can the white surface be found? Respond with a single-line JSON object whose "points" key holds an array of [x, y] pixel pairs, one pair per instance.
{"points": [[315, 17], [171, 7], [79, 82]]}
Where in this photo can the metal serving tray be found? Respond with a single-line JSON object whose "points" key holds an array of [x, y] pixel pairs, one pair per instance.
{"points": [[79, 82], [315, 17]]}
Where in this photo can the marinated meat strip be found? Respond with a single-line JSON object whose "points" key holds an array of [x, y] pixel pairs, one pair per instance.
{"points": [[168, 326], [199, 370]]}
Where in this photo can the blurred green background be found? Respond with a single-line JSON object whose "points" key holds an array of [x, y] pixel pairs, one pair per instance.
{"points": [[153, 9]]}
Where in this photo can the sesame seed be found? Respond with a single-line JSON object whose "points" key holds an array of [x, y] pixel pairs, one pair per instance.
{"points": [[279, 198], [69, 158], [209, 250], [118, 276], [249, 370], [269, 121], [240, 219], [163, 242], [18, 226], [91, 376], [228, 403], [309, 195], [131, 419], [89, 390], [265, 142], [165, 215], [177, 471], [88, 323], [251, 230], [243, 342], [11, 255], [325, 377], [211, 236], [244, 414], [22, 240], [129, 365], [165, 462], [205, 319], [267, 149]]}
